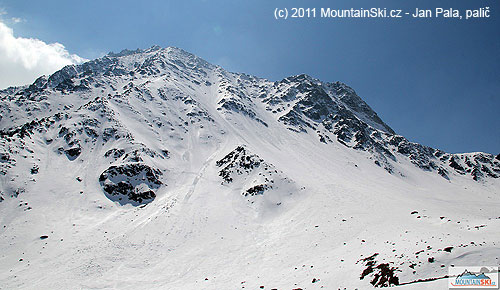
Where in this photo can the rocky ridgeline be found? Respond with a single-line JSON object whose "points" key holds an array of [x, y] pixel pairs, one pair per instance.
{"points": [[335, 113], [78, 109]]}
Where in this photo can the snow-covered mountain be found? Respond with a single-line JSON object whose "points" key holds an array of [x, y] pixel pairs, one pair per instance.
{"points": [[154, 169]]}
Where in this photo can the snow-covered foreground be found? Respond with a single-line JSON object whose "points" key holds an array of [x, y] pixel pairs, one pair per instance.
{"points": [[210, 187]]}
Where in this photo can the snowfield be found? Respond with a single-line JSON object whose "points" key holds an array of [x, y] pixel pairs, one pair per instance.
{"points": [[153, 169]]}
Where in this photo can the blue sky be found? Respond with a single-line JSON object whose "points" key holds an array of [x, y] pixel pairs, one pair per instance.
{"points": [[434, 81]]}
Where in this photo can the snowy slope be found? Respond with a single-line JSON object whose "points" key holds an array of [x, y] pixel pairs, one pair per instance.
{"points": [[153, 169]]}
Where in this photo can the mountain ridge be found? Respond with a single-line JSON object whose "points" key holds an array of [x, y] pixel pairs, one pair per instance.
{"points": [[333, 110], [153, 168]]}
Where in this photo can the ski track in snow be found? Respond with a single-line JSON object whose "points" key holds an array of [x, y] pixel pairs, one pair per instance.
{"points": [[198, 176]]}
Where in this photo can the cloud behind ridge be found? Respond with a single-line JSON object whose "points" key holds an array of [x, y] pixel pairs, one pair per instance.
{"points": [[22, 60]]}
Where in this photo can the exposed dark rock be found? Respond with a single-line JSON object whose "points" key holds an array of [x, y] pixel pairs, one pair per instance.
{"points": [[4, 157], [476, 173], [237, 106], [131, 183], [110, 133], [253, 173], [236, 162], [115, 153], [383, 274], [256, 190], [73, 153], [453, 164], [443, 173]]}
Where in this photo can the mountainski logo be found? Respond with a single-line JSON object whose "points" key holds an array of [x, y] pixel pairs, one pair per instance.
{"points": [[473, 277]]}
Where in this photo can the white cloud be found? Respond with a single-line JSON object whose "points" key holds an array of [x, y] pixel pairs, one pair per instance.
{"points": [[22, 60], [17, 19]]}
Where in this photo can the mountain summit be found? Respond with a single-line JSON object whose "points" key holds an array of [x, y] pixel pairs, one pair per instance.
{"points": [[156, 169]]}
